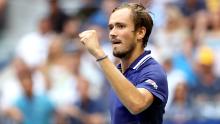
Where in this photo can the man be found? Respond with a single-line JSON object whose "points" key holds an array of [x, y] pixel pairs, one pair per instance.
{"points": [[139, 92], [30, 108]]}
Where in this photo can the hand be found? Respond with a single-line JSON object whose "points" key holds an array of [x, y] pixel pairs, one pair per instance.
{"points": [[15, 114], [90, 40], [68, 110], [96, 118]]}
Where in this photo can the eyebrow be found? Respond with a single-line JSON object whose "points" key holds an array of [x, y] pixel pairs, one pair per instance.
{"points": [[117, 23]]}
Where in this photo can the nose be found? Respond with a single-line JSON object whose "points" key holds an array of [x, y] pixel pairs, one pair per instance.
{"points": [[112, 33]]}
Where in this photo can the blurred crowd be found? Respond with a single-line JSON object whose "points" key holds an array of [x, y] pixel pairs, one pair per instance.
{"points": [[51, 79]]}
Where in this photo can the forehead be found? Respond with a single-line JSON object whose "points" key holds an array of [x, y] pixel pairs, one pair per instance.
{"points": [[121, 16]]}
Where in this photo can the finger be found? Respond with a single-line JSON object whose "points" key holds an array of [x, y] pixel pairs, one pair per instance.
{"points": [[84, 36], [82, 43], [81, 35], [83, 40], [84, 33]]}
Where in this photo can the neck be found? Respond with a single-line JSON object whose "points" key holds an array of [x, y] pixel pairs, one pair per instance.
{"points": [[130, 58], [29, 96]]}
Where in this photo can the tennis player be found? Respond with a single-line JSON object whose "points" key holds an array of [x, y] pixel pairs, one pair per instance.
{"points": [[139, 84]]}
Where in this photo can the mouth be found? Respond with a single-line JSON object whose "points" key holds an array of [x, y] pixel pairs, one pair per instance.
{"points": [[115, 41]]}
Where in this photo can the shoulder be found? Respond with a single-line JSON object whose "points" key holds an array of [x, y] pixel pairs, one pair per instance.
{"points": [[20, 101], [152, 69], [153, 78]]}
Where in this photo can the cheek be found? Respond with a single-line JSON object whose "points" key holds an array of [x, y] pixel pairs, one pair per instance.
{"points": [[127, 36]]}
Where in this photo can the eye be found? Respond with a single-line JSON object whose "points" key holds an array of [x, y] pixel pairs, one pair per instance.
{"points": [[110, 27], [120, 26]]}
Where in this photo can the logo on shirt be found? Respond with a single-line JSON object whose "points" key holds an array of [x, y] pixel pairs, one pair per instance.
{"points": [[151, 82]]}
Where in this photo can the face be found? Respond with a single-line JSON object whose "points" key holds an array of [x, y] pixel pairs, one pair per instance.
{"points": [[45, 26], [215, 19], [121, 33], [27, 85], [24, 76], [71, 27]]}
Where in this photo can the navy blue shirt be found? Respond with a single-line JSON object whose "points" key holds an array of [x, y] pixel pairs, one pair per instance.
{"points": [[146, 73]]}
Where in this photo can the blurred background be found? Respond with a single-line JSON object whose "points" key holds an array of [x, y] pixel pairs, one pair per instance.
{"points": [[47, 77]]}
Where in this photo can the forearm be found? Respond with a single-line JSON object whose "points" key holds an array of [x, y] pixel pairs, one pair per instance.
{"points": [[125, 90]]}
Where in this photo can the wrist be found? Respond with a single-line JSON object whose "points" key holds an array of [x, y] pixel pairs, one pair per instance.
{"points": [[99, 54], [102, 58]]}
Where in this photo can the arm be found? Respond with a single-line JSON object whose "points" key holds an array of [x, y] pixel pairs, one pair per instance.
{"points": [[14, 113], [135, 99], [76, 113]]}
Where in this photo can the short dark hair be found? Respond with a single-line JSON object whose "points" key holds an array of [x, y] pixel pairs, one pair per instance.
{"points": [[141, 18]]}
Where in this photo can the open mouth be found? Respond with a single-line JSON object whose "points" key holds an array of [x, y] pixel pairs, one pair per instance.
{"points": [[115, 41]]}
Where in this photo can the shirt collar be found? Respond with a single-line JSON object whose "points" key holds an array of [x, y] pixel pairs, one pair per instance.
{"points": [[139, 61]]}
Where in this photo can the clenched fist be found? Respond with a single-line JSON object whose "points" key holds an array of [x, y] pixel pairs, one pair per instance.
{"points": [[90, 40]]}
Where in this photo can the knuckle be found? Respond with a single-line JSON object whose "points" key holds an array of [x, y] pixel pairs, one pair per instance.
{"points": [[93, 31]]}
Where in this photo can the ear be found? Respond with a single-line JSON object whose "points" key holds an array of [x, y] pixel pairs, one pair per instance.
{"points": [[141, 33]]}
